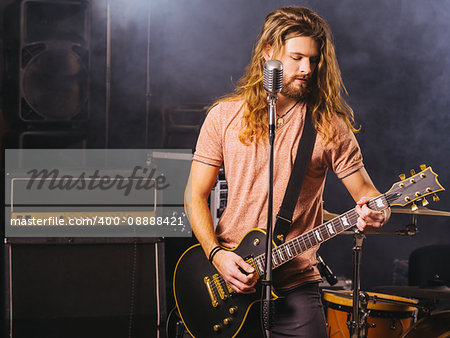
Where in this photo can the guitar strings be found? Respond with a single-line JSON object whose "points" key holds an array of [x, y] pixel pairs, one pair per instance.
{"points": [[296, 245], [280, 252], [352, 216]]}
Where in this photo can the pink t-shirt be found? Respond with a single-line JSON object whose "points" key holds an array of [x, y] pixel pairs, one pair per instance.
{"points": [[246, 171]]}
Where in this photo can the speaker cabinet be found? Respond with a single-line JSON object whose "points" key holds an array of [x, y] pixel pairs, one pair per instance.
{"points": [[45, 139], [67, 288], [47, 60]]}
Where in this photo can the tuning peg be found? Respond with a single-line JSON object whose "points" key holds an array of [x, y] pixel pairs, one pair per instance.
{"points": [[402, 177], [413, 172], [435, 198], [414, 207], [425, 202], [423, 166]]}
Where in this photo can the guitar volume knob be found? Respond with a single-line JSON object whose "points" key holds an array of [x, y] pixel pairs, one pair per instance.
{"points": [[233, 310], [217, 327], [227, 320]]}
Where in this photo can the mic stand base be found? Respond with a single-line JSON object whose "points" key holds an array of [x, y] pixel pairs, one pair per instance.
{"points": [[267, 308]]}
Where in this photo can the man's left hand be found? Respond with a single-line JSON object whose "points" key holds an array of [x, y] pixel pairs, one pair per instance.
{"points": [[370, 219]]}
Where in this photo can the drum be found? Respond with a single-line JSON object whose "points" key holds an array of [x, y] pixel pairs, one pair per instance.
{"points": [[391, 318], [435, 325]]}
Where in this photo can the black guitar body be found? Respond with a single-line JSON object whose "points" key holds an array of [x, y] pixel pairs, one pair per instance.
{"points": [[194, 302]]}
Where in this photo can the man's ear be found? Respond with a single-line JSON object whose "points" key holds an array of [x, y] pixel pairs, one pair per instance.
{"points": [[267, 52]]}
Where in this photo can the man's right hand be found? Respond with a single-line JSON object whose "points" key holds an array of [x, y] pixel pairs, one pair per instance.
{"points": [[240, 275]]}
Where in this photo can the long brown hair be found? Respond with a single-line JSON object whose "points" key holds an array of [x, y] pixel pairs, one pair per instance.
{"points": [[325, 99]]}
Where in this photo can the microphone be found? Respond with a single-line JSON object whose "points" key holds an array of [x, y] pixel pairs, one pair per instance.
{"points": [[273, 77], [325, 271]]}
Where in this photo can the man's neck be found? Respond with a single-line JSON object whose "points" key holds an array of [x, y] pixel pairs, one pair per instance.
{"points": [[284, 103]]}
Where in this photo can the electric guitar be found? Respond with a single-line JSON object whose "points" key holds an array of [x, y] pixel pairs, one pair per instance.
{"points": [[210, 308]]}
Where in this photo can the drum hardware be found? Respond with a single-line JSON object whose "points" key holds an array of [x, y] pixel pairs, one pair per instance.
{"points": [[372, 297], [409, 230], [428, 295], [357, 326], [431, 324], [383, 315], [364, 314]]}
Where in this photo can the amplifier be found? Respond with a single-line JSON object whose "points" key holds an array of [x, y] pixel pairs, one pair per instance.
{"points": [[218, 197], [85, 287]]}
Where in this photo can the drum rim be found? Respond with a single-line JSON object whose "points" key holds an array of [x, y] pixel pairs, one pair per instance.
{"points": [[374, 313], [347, 302]]}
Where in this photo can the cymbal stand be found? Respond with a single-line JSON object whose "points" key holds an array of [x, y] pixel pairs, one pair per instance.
{"points": [[409, 230], [356, 326]]}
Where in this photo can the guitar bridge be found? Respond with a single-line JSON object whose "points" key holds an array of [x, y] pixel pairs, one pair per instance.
{"points": [[218, 284], [211, 293], [250, 260]]}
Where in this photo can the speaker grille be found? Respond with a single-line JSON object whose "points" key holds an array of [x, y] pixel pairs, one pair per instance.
{"points": [[55, 84]]}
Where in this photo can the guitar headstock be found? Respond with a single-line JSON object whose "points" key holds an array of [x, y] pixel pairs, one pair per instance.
{"points": [[414, 188]]}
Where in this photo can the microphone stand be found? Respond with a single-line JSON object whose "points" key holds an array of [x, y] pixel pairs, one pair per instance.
{"points": [[268, 302]]}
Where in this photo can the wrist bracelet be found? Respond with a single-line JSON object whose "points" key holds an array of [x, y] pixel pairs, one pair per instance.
{"points": [[213, 252]]}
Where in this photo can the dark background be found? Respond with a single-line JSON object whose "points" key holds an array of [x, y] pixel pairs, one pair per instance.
{"points": [[394, 58]]}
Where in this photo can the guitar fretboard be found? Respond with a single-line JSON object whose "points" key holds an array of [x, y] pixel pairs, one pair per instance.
{"points": [[296, 246]]}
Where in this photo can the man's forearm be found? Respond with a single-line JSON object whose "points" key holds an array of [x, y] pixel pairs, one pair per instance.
{"points": [[202, 225]]}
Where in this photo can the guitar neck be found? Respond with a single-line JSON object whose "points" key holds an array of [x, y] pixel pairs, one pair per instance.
{"points": [[296, 246]]}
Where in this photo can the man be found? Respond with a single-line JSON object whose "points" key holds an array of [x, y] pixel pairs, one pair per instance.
{"points": [[234, 134]]}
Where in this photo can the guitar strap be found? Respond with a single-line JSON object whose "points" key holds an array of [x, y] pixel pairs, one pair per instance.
{"points": [[302, 159]]}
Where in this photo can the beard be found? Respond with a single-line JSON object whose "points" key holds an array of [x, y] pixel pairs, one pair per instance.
{"points": [[296, 92]]}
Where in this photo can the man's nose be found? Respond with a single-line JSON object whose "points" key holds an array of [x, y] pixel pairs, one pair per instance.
{"points": [[305, 66]]}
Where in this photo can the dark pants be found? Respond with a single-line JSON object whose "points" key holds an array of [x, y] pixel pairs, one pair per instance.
{"points": [[298, 313]]}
